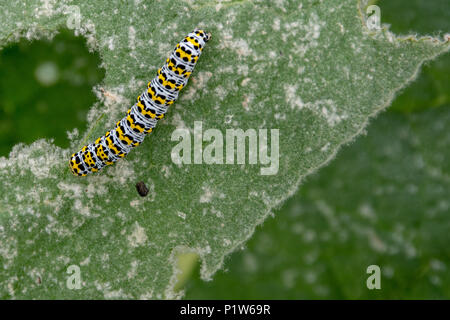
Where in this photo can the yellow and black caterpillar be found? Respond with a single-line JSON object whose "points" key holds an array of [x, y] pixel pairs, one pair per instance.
{"points": [[151, 106]]}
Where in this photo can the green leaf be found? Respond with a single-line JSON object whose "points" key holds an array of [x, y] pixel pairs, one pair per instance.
{"points": [[432, 88], [310, 69], [383, 201]]}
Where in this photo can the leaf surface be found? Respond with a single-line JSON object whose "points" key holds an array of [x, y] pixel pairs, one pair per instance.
{"points": [[310, 69]]}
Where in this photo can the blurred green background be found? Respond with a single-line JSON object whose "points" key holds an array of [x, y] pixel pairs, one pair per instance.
{"points": [[371, 205]]}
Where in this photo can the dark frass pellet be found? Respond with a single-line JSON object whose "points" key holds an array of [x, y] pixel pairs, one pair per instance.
{"points": [[141, 188]]}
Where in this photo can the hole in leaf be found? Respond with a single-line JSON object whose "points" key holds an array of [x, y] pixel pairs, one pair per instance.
{"points": [[46, 89], [186, 263]]}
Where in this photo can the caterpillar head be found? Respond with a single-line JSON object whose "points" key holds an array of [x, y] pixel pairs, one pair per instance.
{"points": [[206, 36]]}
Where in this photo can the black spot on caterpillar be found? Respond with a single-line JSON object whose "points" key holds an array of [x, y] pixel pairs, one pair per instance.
{"points": [[141, 188], [143, 116]]}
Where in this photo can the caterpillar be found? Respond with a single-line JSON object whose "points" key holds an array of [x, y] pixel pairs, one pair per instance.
{"points": [[151, 106]]}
